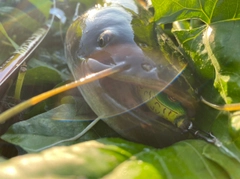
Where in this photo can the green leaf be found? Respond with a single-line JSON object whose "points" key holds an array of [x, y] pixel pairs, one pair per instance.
{"points": [[88, 160], [116, 158], [20, 17], [167, 11], [52, 126], [43, 6], [2, 30], [210, 44], [213, 154], [38, 80], [55, 61], [235, 127], [192, 42], [42, 75], [19, 21], [217, 123]]}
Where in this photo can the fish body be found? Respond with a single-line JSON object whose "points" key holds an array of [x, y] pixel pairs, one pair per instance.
{"points": [[109, 35]]}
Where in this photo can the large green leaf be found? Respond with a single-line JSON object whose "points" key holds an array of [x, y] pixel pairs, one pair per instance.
{"points": [[115, 158], [55, 125], [213, 44], [60, 123]]}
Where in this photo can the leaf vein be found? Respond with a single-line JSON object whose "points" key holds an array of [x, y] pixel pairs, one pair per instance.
{"points": [[164, 166], [213, 8], [201, 158]]}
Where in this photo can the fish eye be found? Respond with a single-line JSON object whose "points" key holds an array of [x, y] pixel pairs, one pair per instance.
{"points": [[104, 38], [101, 42]]}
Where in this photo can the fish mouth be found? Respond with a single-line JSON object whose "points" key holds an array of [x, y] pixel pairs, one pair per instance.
{"points": [[102, 57]]}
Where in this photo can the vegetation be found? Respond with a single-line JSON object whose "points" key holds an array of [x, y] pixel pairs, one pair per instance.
{"points": [[207, 31]]}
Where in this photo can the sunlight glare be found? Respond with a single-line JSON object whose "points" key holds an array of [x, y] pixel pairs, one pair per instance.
{"points": [[10, 171], [92, 13], [209, 31]]}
